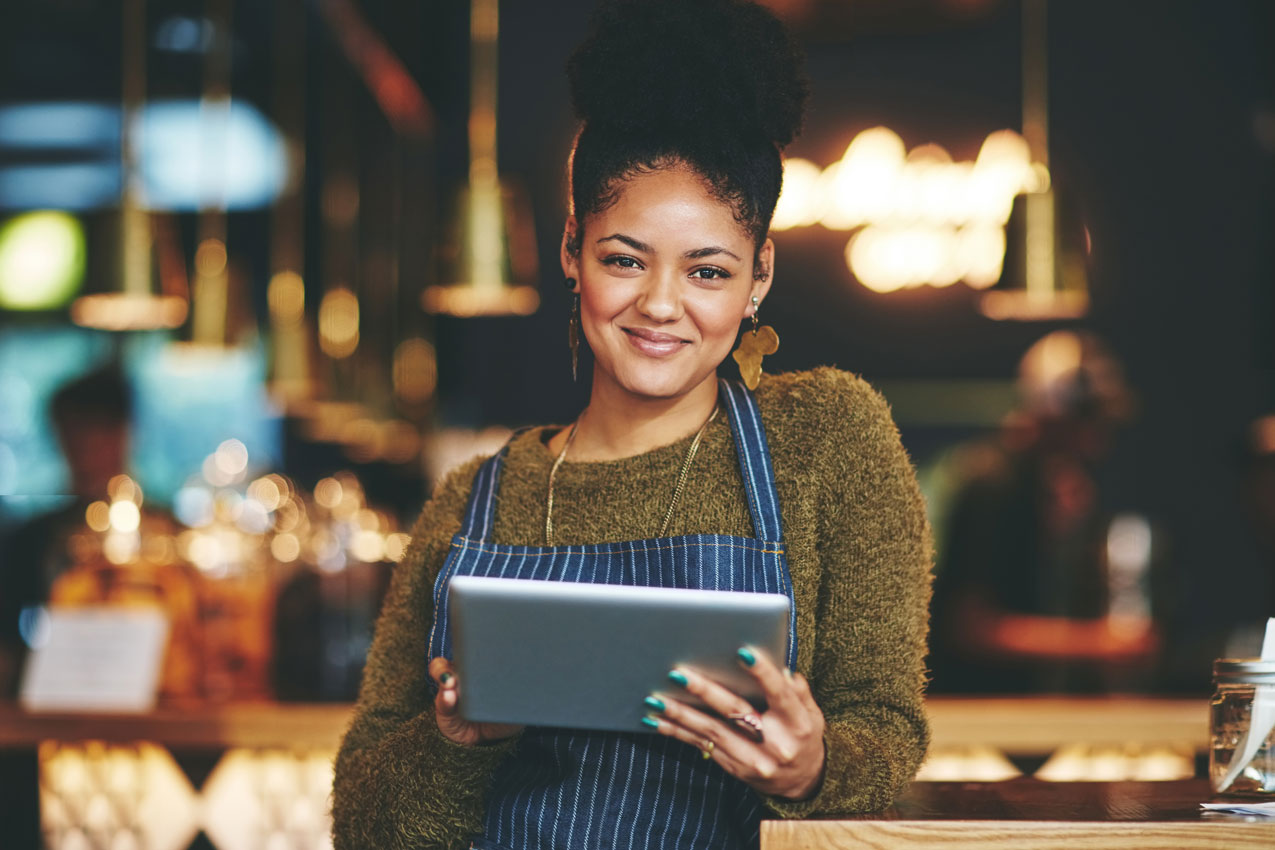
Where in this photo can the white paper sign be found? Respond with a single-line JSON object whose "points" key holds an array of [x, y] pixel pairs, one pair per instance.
{"points": [[104, 659]]}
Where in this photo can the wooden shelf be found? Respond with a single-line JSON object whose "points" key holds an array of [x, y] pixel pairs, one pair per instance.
{"points": [[251, 725], [1039, 725]]}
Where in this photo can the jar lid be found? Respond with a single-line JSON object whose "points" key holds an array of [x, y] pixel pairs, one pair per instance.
{"points": [[1250, 670]]}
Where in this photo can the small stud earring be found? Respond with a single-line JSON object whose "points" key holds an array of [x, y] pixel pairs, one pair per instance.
{"points": [[753, 346]]}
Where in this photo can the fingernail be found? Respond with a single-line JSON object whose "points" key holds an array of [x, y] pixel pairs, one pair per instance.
{"points": [[654, 704], [746, 655], [445, 678], [678, 678], [651, 722]]}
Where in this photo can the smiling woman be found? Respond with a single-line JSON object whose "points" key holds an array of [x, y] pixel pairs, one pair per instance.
{"points": [[669, 477]]}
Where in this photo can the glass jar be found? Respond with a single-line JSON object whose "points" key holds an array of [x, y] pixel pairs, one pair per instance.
{"points": [[1242, 683]]}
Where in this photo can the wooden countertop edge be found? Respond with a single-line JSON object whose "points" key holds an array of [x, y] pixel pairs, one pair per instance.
{"points": [[1043, 835]]}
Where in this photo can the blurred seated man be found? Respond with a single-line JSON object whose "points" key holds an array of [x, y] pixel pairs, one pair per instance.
{"points": [[91, 416], [1021, 597]]}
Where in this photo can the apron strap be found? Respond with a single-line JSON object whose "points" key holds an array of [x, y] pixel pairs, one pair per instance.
{"points": [[480, 513], [754, 460]]}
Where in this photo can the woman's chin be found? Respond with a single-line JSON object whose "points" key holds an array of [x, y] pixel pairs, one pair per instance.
{"points": [[659, 382]]}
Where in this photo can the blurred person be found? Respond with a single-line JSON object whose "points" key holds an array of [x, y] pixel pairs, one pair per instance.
{"points": [[1022, 591], [793, 483], [91, 416], [58, 560]]}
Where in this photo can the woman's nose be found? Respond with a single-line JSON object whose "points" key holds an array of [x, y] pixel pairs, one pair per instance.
{"points": [[660, 300]]}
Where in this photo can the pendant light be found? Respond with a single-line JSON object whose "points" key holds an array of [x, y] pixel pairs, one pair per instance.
{"points": [[489, 255], [138, 303], [1052, 283]]}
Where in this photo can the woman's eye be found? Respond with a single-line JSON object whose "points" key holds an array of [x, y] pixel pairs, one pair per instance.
{"points": [[710, 273], [622, 261]]}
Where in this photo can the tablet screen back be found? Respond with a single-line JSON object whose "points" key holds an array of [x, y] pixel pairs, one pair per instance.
{"points": [[550, 653]]}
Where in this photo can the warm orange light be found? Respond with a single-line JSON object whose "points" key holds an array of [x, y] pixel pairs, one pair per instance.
{"points": [[121, 488], [98, 516], [339, 323], [124, 517], [123, 311], [286, 297], [468, 301], [798, 203], [328, 493], [231, 458], [415, 371], [266, 492], [396, 546], [210, 258], [367, 546], [285, 548], [920, 217]]}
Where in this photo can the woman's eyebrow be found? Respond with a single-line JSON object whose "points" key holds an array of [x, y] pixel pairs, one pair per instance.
{"points": [[630, 241], [700, 253]]}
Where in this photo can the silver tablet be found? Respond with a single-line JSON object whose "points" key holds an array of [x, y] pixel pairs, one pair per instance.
{"points": [[550, 653]]}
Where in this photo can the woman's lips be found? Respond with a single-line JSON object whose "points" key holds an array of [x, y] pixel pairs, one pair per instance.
{"points": [[654, 343]]}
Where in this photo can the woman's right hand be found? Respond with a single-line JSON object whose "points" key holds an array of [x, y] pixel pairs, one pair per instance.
{"points": [[447, 711]]}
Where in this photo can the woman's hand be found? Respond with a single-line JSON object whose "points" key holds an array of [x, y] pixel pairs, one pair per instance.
{"points": [[447, 711], [779, 752]]}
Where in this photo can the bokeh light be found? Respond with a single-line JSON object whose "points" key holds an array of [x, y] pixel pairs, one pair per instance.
{"points": [[415, 371], [919, 217], [124, 517], [286, 297], [42, 258], [339, 323]]}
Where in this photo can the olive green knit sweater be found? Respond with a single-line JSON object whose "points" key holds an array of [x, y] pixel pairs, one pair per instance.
{"points": [[858, 549]]}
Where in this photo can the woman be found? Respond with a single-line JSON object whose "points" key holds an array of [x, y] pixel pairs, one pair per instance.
{"points": [[667, 478]]}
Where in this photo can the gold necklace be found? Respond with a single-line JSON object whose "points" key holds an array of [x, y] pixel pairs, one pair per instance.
{"points": [[677, 491]]}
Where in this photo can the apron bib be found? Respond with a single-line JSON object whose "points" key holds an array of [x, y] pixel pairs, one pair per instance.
{"points": [[565, 788]]}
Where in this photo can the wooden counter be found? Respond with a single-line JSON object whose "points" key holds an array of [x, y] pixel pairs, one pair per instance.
{"points": [[1028, 813]]}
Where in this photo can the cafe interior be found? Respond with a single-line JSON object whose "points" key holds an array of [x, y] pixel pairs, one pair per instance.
{"points": [[269, 269]]}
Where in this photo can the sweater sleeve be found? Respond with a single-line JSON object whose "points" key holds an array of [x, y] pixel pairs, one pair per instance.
{"points": [[875, 554], [399, 783]]}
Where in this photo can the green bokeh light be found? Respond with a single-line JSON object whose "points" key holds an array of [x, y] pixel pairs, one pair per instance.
{"points": [[41, 260]]}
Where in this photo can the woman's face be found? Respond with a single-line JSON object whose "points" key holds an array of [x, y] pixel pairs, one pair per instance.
{"points": [[665, 276]]}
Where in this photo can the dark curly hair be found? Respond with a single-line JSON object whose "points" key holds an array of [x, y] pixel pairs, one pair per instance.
{"points": [[717, 85]]}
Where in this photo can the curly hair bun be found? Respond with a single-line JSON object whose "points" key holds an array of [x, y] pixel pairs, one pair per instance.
{"points": [[660, 66]]}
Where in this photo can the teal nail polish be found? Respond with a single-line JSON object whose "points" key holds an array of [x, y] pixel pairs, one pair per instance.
{"points": [[651, 721], [654, 704], [677, 677], [746, 656]]}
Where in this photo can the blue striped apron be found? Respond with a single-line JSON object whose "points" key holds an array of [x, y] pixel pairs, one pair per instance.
{"points": [[564, 788]]}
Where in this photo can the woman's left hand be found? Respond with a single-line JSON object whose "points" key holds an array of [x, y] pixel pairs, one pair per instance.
{"points": [[778, 752]]}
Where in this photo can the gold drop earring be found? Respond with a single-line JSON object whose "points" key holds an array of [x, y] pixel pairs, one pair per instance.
{"points": [[753, 346], [573, 328]]}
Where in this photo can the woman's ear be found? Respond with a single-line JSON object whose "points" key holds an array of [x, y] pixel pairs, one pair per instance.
{"points": [[763, 275], [570, 250]]}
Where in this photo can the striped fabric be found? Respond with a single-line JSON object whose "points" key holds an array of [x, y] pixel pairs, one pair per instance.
{"points": [[579, 789]]}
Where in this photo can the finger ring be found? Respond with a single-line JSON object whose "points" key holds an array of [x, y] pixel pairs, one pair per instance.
{"points": [[706, 747], [750, 724]]}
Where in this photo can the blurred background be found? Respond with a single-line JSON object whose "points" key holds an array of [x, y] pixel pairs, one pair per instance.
{"points": [[269, 269]]}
